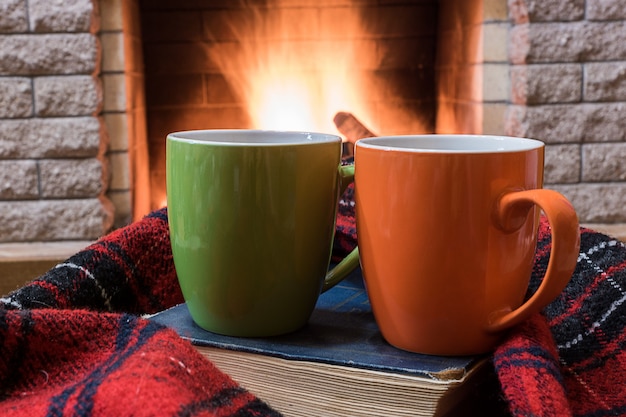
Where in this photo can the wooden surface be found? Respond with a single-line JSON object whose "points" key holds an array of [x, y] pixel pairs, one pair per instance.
{"points": [[617, 231], [22, 262]]}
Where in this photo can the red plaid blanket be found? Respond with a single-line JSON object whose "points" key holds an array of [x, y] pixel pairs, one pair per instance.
{"points": [[571, 361], [73, 342]]}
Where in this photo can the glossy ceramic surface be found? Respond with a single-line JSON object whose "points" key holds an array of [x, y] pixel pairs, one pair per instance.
{"points": [[447, 235], [252, 217]]}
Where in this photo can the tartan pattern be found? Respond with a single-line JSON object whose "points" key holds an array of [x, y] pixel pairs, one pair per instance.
{"points": [[82, 363], [73, 344], [69, 346], [345, 227], [131, 270], [570, 360]]}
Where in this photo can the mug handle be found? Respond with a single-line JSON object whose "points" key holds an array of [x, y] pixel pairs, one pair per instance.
{"points": [[351, 261], [511, 213]]}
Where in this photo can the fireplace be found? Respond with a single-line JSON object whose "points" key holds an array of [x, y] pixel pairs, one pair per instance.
{"points": [[293, 64], [94, 88], [286, 65]]}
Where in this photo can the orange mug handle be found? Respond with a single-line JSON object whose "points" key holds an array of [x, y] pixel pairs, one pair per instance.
{"points": [[511, 213]]}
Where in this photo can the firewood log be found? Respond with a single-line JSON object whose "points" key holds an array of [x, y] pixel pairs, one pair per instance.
{"points": [[351, 127]]}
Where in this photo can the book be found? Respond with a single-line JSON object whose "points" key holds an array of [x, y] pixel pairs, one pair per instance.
{"points": [[340, 365]]}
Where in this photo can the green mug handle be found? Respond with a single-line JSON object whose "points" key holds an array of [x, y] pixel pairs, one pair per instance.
{"points": [[351, 261]]}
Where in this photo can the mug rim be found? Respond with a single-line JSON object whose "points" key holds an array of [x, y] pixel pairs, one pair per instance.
{"points": [[452, 143], [252, 137]]}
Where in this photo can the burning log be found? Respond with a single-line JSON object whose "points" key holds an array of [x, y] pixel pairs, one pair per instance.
{"points": [[351, 127]]}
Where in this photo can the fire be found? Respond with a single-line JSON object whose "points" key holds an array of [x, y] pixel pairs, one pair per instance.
{"points": [[292, 73], [284, 104]]}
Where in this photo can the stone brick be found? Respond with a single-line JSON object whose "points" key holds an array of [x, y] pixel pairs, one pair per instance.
{"points": [[71, 178], [49, 220], [596, 203], [18, 180], [605, 81], [111, 14], [48, 54], [604, 162], [16, 97], [78, 95], [61, 15], [547, 83], [494, 10], [568, 123], [603, 122], [13, 16], [495, 46], [122, 200], [605, 10], [493, 118], [607, 40], [523, 11], [114, 88], [119, 166], [562, 164], [117, 127], [113, 58], [496, 84], [50, 138], [567, 42]]}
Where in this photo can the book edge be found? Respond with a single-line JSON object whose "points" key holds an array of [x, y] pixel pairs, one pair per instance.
{"points": [[450, 374]]}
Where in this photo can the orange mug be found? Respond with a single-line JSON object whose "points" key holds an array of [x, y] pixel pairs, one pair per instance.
{"points": [[447, 230]]}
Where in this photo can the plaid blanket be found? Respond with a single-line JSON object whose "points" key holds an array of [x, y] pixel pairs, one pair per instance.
{"points": [[570, 360], [73, 342]]}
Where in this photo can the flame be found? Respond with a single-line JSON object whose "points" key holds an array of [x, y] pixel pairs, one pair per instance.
{"points": [[283, 104], [290, 72]]}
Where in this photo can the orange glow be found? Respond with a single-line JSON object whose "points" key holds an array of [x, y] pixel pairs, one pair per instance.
{"points": [[292, 73], [283, 104]]}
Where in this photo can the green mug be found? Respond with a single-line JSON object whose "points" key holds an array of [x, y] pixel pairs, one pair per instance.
{"points": [[252, 219]]}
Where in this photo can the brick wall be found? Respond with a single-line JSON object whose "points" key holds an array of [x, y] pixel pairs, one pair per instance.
{"points": [[68, 120], [52, 164], [568, 88]]}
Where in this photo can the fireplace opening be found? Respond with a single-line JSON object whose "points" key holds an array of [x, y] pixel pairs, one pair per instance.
{"points": [[294, 65]]}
